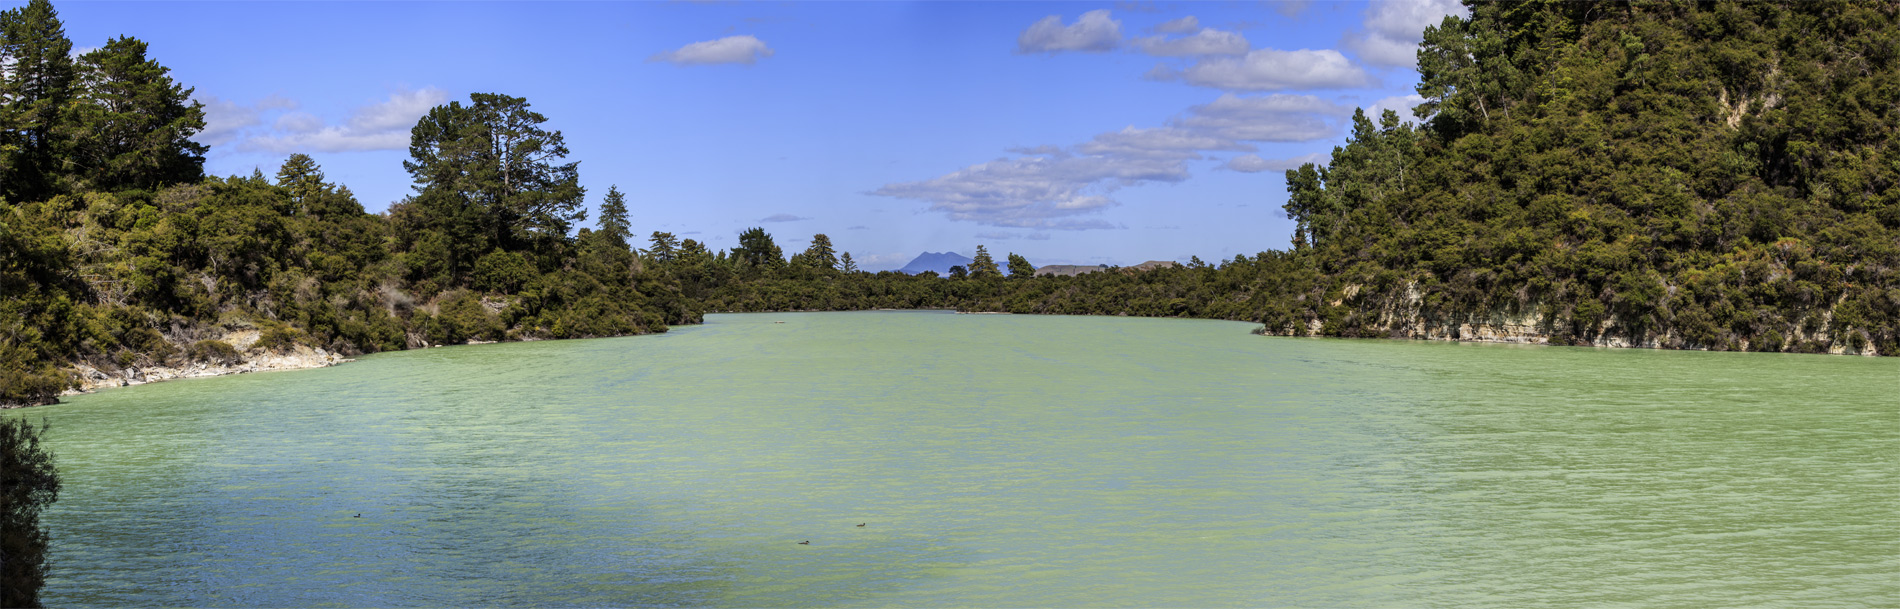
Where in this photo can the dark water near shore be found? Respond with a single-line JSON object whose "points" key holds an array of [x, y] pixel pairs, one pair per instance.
{"points": [[995, 461]]}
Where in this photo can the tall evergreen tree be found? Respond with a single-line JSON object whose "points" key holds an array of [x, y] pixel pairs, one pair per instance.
{"points": [[757, 251], [36, 79], [846, 264], [1020, 268], [614, 224], [492, 154], [664, 247], [134, 125], [982, 265], [820, 254], [301, 177]]}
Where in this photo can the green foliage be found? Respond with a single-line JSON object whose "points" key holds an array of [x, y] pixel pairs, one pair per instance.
{"points": [[982, 266], [214, 352], [1020, 268], [29, 483]]}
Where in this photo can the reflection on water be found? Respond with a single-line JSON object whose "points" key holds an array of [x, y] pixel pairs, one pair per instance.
{"points": [[996, 461]]}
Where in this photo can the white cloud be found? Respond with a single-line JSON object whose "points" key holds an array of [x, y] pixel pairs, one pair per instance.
{"points": [[1274, 69], [226, 120], [298, 122], [1395, 27], [731, 49], [1158, 143], [380, 126], [1093, 32], [1205, 42], [783, 218], [1049, 187], [1402, 105], [1036, 192], [1267, 118], [1252, 163], [1180, 26]]}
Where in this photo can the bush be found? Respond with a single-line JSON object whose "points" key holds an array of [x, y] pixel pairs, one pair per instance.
{"points": [[276, 336], [213, 352], [29, 483]]}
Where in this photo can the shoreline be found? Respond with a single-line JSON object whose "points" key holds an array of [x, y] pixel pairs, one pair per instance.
{"points": [[92, 379]]}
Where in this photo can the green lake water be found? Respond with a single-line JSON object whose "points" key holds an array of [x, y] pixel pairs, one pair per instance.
{"points": [[994, 461]]}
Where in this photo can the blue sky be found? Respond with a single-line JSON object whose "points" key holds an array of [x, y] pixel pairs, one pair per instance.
{"points": [[1071, 133]]}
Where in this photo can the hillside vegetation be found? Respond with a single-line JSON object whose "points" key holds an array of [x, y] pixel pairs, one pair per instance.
{"points": [[1718, 176]]}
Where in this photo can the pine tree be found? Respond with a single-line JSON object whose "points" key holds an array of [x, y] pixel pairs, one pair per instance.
{"points": [[134, 125], [615, 227], [982, 265], [303, 179], [846, 264], [1020, 268], [36, 82], [665, 247], [820, 254]]}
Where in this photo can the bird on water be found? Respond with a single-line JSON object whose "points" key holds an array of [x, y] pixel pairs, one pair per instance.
{"points": [[805, 543], [861, 525]]}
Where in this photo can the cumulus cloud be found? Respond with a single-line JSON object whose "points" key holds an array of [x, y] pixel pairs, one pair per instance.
{"points": [[783, 218], [1273, 70], [1205, 42], [1252, 163], [1159, 143], [1394, 28], [1050, 187], [1267, 118], [1036, 192], [731, 49], [226, 120], [1402, 105], [1183, 25], [380, 126], [1093, 32]]}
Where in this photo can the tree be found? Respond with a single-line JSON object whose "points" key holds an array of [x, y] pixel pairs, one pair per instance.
{"points": [[958, 272], [29, 483], [820, 254], [493, 155], [757, 252], [301, 177], [1020, 268], [36, 78], [134, 125], [846, 264], [614, 225], [665, 248], [982, 265]]}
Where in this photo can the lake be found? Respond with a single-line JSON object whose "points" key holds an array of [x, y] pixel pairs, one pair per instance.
{"points": [[993, 460]]}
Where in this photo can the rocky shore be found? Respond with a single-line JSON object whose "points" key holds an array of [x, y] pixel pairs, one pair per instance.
{"points": [[301, 357]]}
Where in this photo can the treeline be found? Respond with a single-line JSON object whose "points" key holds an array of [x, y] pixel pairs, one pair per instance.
{"points": [[1717, 176], [117, 252], [1687, 175]]}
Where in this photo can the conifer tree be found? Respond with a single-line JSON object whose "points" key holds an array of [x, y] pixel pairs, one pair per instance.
{"points": [[982, 265], [134, 125], [820, 254], [846, 264], [35, 83], [614, 224], [1019, 267]]}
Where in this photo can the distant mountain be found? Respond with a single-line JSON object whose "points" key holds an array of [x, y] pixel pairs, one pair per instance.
{"points": [[940, 263]]}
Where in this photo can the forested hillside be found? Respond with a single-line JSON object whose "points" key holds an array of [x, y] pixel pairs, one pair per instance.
{"points": [[118, 253], [1713, 175], [1718, 176]]}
